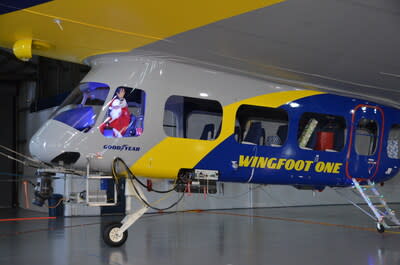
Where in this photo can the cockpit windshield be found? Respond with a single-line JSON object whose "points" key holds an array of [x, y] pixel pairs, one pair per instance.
{"points": [[81, 108]]}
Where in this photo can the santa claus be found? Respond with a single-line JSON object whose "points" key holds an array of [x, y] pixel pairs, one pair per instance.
{"points": [[119, 116]]}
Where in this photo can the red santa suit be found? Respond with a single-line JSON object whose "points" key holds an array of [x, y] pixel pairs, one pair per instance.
{"points": [[119, 117]]}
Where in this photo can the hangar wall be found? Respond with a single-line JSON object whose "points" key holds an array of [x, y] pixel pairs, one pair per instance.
{"points": [[7, 138]]}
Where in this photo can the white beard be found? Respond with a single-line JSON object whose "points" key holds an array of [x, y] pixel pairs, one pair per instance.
{"points": [[116, 108]]}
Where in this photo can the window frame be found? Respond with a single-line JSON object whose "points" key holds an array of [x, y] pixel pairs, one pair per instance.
{"points": [[317, 116], [182, 119], [257, 119], [395, 126], [138, 124], [376, 137]]}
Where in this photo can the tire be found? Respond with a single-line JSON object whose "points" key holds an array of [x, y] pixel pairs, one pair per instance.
{"points": [[380, 228], [110, 236]]}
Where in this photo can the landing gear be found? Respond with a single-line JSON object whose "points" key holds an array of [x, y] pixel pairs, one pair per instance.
{"points": [[380, 228], [113, 236], [116, 234]]}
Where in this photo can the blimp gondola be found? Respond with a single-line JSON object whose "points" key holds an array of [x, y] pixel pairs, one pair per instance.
{"points": [[198, 124]]}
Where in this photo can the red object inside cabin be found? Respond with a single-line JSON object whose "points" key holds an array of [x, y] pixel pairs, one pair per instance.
{"points": [[324, 141]]}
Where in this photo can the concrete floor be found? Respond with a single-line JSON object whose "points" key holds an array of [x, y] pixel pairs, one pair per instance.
{"points": [[298, 235]]}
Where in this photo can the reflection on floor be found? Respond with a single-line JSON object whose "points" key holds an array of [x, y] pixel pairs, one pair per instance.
{"points": [[296, 235]]}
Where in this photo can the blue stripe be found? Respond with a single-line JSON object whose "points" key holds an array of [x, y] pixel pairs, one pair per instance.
{"points": [[8, 6]]}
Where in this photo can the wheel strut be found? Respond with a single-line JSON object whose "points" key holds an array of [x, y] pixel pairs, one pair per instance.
{"points": [[115, 234]]}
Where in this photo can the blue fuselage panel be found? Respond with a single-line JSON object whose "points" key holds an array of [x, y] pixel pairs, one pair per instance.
{"points": [[291, 165]]}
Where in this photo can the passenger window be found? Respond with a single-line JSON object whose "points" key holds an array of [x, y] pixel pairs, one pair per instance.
{"points": [[321, 132], [124, 113], [261, 125], [393, 142], [193, 118], [366, 137]]}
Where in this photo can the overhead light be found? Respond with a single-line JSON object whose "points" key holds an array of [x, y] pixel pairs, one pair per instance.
{"points": [[202, 94], [294, 105]]}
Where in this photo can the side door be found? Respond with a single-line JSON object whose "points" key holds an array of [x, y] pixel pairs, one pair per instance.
{"points": [[365, 144]]}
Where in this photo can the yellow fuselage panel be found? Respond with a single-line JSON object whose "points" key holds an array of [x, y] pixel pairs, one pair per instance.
{"points": [[79, 29]]}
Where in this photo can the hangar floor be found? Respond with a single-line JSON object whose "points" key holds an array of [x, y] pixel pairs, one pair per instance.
{"points": [[296, 235]]}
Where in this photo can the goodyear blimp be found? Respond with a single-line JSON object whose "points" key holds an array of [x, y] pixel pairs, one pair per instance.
{"points": [[167, 118], [148, 114]]}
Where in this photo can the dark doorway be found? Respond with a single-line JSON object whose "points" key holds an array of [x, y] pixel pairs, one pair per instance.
{"points": [[8, 192]]}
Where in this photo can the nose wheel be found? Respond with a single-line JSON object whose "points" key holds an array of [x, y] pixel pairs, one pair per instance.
{"points": [[380, 228], [112, 235]]}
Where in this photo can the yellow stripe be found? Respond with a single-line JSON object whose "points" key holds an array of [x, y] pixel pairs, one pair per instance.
{"points": [[95, 27], [165, 159]]}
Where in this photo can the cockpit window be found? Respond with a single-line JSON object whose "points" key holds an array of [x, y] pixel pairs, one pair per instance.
{"points": [[124, 113], [81, 108]]}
